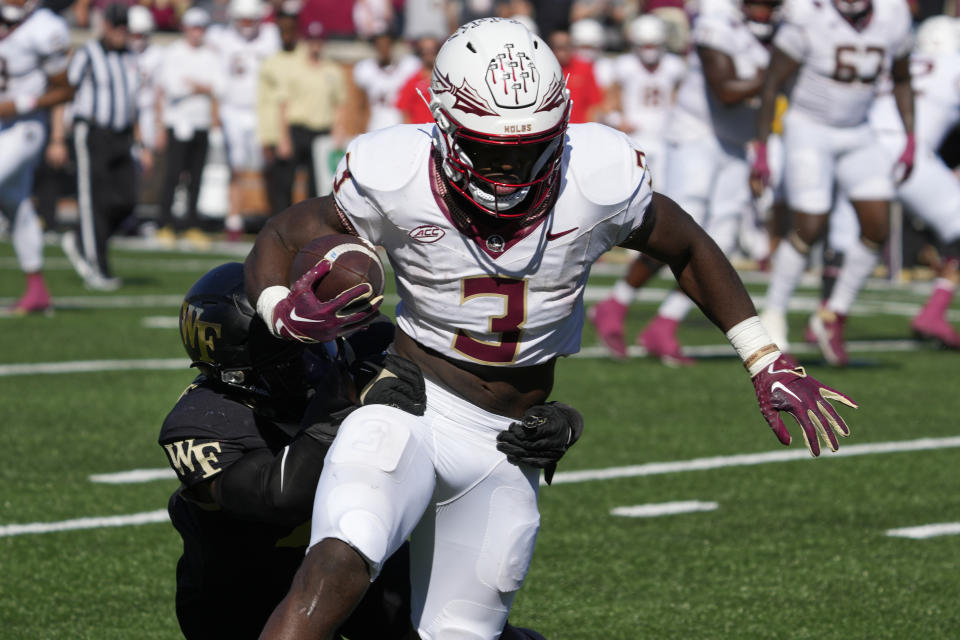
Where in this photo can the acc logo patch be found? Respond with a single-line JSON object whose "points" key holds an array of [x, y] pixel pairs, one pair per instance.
{"points": [[427, 233]]}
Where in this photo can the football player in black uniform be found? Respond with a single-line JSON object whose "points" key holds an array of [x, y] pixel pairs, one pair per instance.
{"points": [[247, 440]]}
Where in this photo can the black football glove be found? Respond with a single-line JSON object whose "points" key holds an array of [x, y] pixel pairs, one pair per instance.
{"points": [[542, 436], [398, 382]]}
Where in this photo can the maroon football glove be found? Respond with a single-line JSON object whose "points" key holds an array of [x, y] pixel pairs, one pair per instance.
{"points": [[904, 166], [781, 387], [760, 168], [301, 316]]}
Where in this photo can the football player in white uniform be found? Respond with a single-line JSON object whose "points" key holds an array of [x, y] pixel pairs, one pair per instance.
{"points": [[380, 79], [491, 218], [932, 191], [33, 60], [140, 24], [242, 46], [706, 158], [838, 51], [645, 82]]}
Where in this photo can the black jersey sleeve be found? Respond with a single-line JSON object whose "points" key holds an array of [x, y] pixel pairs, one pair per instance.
{"points": [[207, 432], [272, 488]]}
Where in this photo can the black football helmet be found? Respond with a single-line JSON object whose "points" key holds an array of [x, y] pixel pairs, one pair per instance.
{"points": [[230, 344]]}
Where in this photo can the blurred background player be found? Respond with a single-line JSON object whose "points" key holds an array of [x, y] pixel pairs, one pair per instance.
{"points": [[247, 440], [411, 106], [645, 88], [589, 40], [191, 81], [585, 94], [838, 51], [242, 45], [380, 78], [149, 57], [300, 103], [104, 76], [932, 191], [706, 168], [33, 56]]}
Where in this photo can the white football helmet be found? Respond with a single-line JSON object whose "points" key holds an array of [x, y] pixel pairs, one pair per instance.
{"points": [[501, 106], [139, 20], [648, 34], [246, 15], [17, 11], [587, 33], [938, 35]]}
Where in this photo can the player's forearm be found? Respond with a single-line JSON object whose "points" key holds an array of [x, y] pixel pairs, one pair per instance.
{"points": [[268, 263], [903, 92], [670, 235], [733, 91], [781, 68]]}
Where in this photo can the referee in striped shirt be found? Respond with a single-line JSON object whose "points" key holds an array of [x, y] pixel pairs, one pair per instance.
{"points": [[103, 74]]}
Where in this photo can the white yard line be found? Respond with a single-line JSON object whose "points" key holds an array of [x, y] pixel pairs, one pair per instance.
{"points": [[663, 509], [752, 459], [134, 475], [926, 531], [91, 366], [147, 517], [568, 477]]}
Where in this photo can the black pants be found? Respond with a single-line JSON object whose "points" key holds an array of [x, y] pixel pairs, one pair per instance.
{"points": [[183, 157], [106, 187], [281, 172]]}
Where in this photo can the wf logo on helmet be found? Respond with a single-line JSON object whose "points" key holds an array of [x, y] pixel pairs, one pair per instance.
{"points": [[426, 233]]}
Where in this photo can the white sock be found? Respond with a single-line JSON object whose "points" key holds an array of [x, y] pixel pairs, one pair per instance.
{"points": [[624, 293], [27, 236], [675, 306], [858, 264], [788, 267]]}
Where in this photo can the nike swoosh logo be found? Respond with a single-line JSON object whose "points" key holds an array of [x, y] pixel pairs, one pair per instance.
{"points": [[294, 316], [780, 385], [554, 236]]}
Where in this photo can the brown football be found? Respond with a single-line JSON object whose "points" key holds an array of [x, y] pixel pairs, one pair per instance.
{"points": [[353, 261]]}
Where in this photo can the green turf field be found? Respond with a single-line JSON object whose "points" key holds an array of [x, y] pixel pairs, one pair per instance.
{"points": [[795, 548]]}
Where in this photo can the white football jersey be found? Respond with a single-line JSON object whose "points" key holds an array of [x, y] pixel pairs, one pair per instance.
{"points": [[381, 85], [476, 292], [149, 63], [840, 65], [31, 51], [936, 86], [241, 60], [720, 26], [646, 95]]}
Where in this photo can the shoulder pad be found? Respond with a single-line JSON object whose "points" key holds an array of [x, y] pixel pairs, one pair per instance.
{"points": [[605, 165], [375, 170], [203, 412]]}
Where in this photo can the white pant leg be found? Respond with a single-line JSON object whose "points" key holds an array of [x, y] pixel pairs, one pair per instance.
{"points": [[240, 138], [691, 171], [21, 145], [932, 193], [865, 167], [844, 225], [808, 164], [472, 515], [730, 198]]}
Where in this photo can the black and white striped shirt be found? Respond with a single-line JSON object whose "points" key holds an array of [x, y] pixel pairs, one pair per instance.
{"points": [[106, 83]]}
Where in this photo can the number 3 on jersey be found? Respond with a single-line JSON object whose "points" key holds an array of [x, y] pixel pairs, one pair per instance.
{"points": [[514, 295]]}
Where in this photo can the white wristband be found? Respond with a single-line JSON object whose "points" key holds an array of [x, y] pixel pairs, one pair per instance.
{"points": [[749, 338], [267, 302], [24, 104]]}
